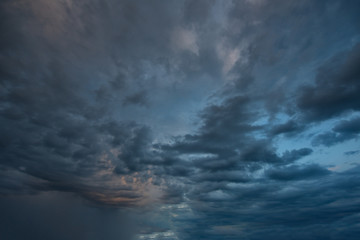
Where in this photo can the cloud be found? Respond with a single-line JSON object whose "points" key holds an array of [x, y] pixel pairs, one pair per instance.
{"points": [[296, 172], [349, 153], [185, 40], [345, 130], [194, 117], [337, 85], [58, 216], [282, 207], [289, 128], [136, 99]]}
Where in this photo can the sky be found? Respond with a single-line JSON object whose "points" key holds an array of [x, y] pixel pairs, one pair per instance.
{"points": [[179, 120]]}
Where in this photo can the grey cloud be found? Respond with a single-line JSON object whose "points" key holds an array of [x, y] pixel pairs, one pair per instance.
{"points": [[217, 80], [260, 152], [226, 176], [136, 99], [348, 126], [343, 131], [134, 150], [289, 128], [329, 139], [224, 142], [349, 153], [56, 217], [197, 12], [297, 172], [293, 155], [284, 206], [337, 85], [56, 133]]}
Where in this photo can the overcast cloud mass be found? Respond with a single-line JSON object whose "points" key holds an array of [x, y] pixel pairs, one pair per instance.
{"points": [[179, 120]]}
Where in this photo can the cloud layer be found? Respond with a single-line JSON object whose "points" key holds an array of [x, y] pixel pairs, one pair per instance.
{"points": [[180, 119]]}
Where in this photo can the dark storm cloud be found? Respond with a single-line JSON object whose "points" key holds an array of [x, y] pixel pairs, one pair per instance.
{"points": [[56, 133], [220, 122], [349, 153], [223, 131], [174, 194], [226, 176], [297, 172], [280, 208], [225, 143], [56, 217], [69, 147], [336, 87], [136, 99], [288, 129], [225, 140], [197, 12], [343, 131], [293, 155], [351, 126], [197, 109]]}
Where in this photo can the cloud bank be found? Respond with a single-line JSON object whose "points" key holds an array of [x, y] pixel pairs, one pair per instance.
{"points": [[179, 119]]}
